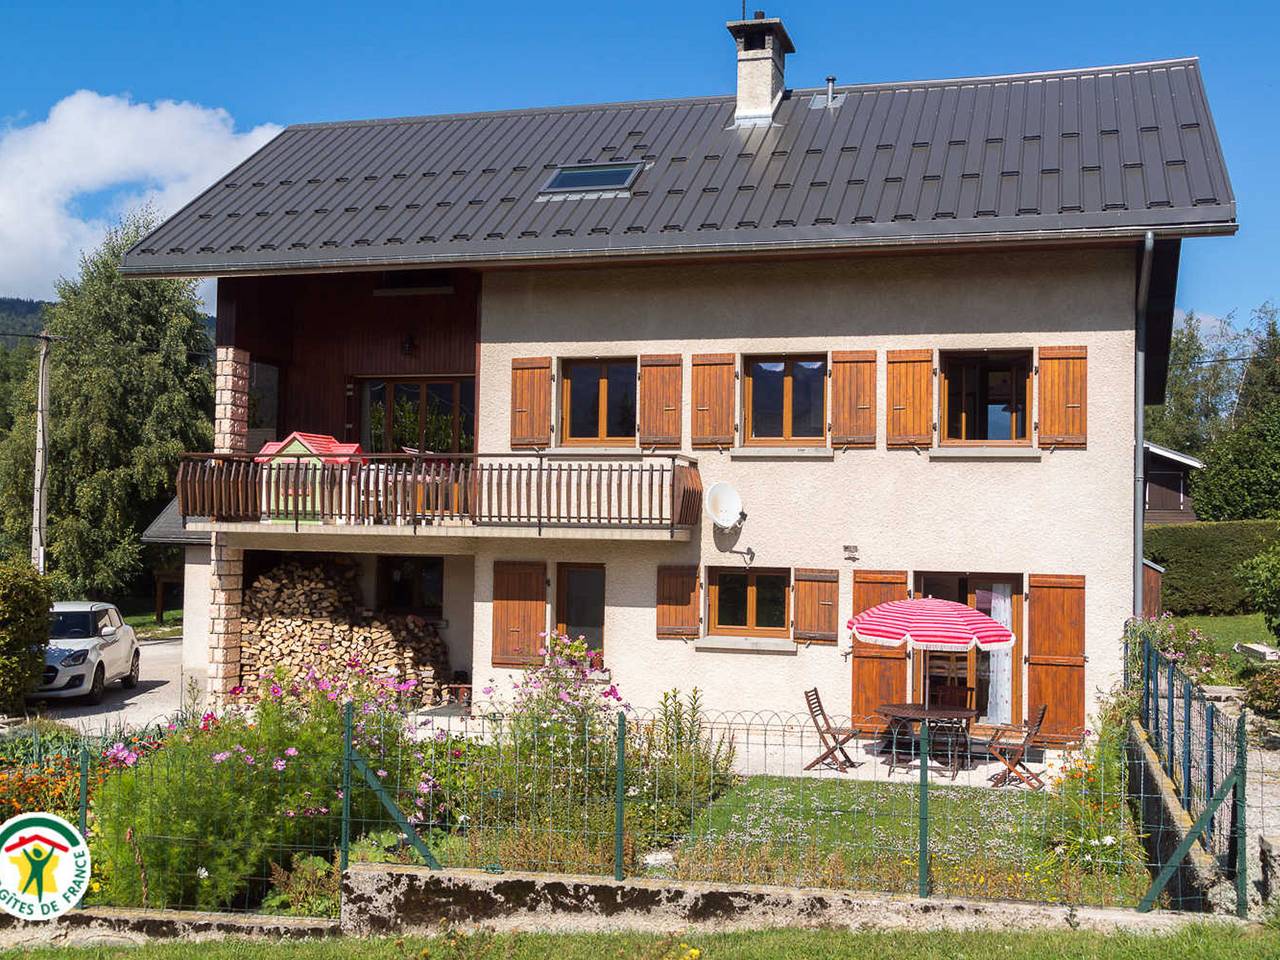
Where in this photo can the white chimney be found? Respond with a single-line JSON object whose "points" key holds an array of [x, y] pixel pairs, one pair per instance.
{"points": [[763, 46]]}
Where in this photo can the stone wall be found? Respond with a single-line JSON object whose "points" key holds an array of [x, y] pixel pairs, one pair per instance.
{"points": [[226, 564]]}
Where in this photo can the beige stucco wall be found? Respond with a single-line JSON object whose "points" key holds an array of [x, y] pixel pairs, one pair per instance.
{"points": [[1068, 513], [197, 598]]}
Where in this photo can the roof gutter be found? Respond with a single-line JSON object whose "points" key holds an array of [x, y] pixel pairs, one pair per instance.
{"points": [[1139, 411], [641, 253]]}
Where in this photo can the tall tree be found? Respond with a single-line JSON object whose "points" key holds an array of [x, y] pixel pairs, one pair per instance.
{"points": [[1200, 390], [1241, 475], [1260, 382], [130, 387]]}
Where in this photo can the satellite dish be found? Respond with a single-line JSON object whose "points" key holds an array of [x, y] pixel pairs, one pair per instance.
{"points": [[724, 506]]}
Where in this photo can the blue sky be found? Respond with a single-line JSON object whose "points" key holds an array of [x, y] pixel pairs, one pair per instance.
{"points": [[277, 63]]}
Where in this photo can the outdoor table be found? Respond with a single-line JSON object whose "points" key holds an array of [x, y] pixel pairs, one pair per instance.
{"points": [[902, 716]]}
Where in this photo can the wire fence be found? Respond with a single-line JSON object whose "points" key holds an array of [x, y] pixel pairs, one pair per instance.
{"points": [[261, 810]]}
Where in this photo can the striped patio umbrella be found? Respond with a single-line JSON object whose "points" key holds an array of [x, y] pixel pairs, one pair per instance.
{"points": [[930, 624]]}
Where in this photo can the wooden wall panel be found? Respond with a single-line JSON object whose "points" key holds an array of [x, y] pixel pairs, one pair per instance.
{"points": [[322, 330]]}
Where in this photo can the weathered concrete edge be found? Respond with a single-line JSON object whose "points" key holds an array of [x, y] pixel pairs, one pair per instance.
{"points": [[107, 925], [396, 899], [1198, 871]]}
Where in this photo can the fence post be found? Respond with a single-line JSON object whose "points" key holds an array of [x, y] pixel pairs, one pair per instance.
{"points": [[1146, 684], [619, 791], [1242, 843], [1210, 714], [1186, 744], [923, 858], [345, 849], [84, 790], [1169, 688]]}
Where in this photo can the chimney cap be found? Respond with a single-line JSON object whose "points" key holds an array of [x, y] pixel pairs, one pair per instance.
{"points": [[762, 25]]}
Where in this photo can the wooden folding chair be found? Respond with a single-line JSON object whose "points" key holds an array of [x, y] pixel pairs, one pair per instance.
{"points": [[832, 739], [1013, 754]]}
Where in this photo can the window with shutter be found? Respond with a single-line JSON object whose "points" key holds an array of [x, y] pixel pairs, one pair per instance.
{"points": [[1064, 407], [909, 396], [661, 381], [678, 606], [713, 412], [816, 598], [853, 398], [519, 612], [531, 402]]}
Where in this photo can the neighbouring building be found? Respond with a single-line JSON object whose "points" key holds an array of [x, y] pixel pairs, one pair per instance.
{"points": [[906, 322], [1168, 474]]}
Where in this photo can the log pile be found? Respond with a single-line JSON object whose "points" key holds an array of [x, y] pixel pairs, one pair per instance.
{"points": [[306, 614]]}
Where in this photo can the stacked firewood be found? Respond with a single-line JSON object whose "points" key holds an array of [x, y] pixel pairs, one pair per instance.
{"points": [[309, 614]]}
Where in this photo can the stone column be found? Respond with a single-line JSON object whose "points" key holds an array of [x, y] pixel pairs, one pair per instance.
{"points": [[226, 563]]}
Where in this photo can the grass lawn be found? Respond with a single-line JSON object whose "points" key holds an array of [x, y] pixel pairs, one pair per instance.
{"points": [[1226, 632], [145, 626], [865, 834], [1202, 943]]}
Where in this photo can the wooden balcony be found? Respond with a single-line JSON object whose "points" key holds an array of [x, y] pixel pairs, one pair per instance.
{"points": [[643, 496]]}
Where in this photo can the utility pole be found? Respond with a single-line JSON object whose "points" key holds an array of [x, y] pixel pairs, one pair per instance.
{"points": [[40, 496]]}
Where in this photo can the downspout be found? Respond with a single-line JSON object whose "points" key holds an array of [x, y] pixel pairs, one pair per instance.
{"points": [[1139, 411]]}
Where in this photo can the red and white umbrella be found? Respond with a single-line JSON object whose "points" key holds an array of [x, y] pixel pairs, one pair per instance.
{"points": [[930, 624]]}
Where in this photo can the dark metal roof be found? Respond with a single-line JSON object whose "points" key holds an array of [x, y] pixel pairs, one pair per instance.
{"points": [[167, 527], [1111, 151]]}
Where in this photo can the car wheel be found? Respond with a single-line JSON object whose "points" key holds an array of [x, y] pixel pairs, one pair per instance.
{"points": [[99, 686], [130, 679]]}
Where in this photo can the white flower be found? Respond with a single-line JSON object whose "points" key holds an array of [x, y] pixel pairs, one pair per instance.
{"points": [[202, 873], [1108, 840]]}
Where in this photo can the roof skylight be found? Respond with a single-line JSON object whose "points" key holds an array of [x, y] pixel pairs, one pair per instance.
{"points": [[592, 176]]}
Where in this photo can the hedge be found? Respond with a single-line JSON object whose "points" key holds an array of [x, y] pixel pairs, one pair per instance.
{"points": [[24, 631], [1201, 562]]}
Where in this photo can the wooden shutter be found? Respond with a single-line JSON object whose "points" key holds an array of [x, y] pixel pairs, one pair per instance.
{"points": [[519, 612], [879, 673], [531, 402], [678, 607], [1064, 403], [816, 605], [853, 398], [712, 400], [1055, 654], [661, 380], [909, 396]]}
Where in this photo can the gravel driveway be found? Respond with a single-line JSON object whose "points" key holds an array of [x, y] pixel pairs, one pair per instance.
{"points": [[161, 692]]}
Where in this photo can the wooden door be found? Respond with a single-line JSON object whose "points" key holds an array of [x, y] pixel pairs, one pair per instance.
{"points": [[1055, 654], [519, 612], [879, 673]]}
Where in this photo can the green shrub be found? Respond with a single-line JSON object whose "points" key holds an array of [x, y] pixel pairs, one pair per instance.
{"points": [[1262, 691], [1202, 561], [1241, 475], [1261, 576], [24, 631]]}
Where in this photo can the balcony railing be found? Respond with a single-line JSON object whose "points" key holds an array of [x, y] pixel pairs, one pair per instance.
{"points": [[629, 491]]}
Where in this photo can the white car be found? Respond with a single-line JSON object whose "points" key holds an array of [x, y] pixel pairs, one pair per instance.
{"points": [[90, 646]]}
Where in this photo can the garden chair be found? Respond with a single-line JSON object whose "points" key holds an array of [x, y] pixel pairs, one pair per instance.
{"points": [[832, 739], [1013, 754]]}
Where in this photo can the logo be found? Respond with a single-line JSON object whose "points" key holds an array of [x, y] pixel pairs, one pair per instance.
{"points": [[44, 866]]}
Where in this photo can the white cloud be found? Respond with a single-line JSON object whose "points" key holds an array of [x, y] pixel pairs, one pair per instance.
{"points": [[1214, 329], [100, 148]]}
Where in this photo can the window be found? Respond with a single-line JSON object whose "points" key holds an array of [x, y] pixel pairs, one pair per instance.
{"points": [[786, 400], [749, 602], [985, 397], [412, 585], [580, 603], [430, 415], [593, 176], [598, 401]]}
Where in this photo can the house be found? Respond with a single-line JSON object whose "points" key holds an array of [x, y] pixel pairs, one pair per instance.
{"points": [[912, 325], [1168, 496]]}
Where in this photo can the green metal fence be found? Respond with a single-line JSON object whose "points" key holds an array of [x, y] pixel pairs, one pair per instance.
{"points": [[191, 817]]}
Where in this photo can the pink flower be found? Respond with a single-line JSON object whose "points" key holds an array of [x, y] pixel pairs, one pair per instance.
{"points": [[290, 751], [220, 757], [276, 690], [564, 695], [248, 759], [236, 690], [279, 763], [381, 773]]}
